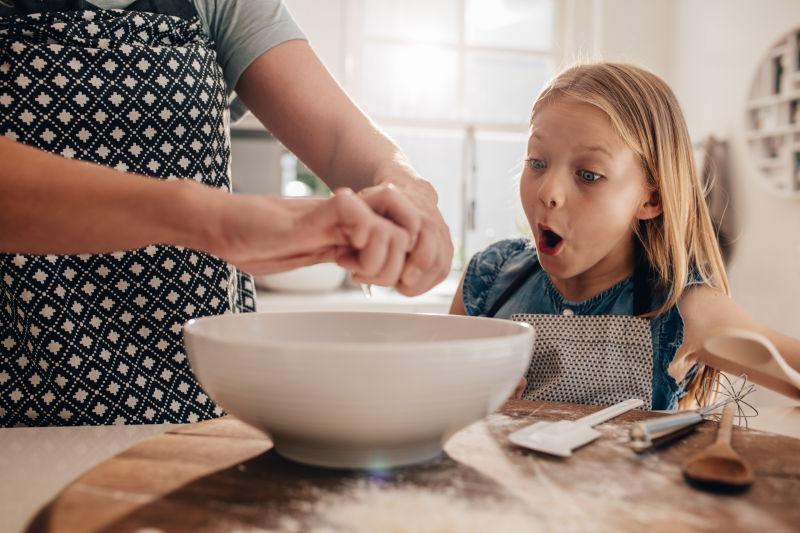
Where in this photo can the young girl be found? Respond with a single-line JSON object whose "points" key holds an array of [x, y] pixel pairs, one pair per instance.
{"points": [[624, 281]]}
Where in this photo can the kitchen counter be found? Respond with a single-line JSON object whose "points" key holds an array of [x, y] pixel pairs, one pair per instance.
{"points": [[437, 300], [222, 475], [37, 463]]}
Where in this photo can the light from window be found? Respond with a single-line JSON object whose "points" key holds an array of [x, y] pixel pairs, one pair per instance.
{"points": [[453, 82]]}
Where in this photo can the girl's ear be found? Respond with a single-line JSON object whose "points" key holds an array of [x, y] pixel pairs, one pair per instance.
{"points": [[651, 208]]}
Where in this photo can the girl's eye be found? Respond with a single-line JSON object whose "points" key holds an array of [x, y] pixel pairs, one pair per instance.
{"points": [[536, 164], [589, 176]]}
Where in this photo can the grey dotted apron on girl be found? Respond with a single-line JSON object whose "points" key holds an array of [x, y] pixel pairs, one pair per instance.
{"points": [[96, 339], [591, 359]]}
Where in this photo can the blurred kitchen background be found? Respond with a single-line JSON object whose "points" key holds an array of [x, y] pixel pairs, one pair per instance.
{"points": [[452, 82]]}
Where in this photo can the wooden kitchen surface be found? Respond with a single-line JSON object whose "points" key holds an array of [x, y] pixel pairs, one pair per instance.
{"points": [[222, 475]]}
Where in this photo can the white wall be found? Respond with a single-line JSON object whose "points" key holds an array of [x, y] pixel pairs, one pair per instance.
{"points": [[708, 51], [324, 25], [256, 161], [716, 45], [637, 31]]}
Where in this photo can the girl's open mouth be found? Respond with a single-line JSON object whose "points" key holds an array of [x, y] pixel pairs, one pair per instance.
{"points": [[550, 242]]}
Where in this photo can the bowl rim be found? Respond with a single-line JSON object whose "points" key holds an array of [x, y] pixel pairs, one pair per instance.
{"points": [[191, 329]]}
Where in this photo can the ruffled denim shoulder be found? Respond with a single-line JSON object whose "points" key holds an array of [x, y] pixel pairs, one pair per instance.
{"points": [[483, 271]]}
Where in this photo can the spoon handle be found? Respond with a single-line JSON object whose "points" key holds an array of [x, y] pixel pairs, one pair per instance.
{"points": [[608, 413], [656, 431], [726, 424]]}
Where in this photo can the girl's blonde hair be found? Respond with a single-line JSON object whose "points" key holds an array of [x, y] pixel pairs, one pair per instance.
{"points": [[681, 241]]}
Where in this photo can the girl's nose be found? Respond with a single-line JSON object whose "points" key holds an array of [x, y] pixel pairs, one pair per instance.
{"points": [[551, 191]]}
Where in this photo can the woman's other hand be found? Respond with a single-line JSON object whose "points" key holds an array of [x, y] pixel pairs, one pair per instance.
{"points": [[411, 204]]}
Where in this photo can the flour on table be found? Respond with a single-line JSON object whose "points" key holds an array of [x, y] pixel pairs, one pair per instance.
{"points": [[369, 508]]}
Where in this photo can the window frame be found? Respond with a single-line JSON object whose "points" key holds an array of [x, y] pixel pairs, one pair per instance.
{"points": [[569, 32]]}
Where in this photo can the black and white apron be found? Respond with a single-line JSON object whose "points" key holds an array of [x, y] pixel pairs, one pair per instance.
{"points": [[96, 339], [588, 359]]}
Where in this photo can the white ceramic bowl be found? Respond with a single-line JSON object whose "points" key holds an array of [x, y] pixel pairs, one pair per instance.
{"points": [[321, 277], [358, 390]]}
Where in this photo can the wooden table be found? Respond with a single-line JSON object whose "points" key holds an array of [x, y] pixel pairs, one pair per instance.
{"points": [[222, 475]]}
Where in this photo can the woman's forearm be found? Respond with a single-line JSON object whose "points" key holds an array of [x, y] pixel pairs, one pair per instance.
{"points": [[294, 96], [53, 205]]}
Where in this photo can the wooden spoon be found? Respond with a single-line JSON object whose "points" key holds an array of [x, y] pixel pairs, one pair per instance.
{"points": [[718, 466]]}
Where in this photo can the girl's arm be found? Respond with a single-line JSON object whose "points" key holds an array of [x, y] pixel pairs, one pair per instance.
{"points": [[706, 311], [295, 97]]}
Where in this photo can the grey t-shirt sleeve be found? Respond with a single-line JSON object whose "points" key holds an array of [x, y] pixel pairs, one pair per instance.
{"points": [[242, 30]]}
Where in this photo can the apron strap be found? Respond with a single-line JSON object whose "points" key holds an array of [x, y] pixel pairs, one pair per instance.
{"points": [[28, 7], [177, 8], [521, 278], [643, 280]]}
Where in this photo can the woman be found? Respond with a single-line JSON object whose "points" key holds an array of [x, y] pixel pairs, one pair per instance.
{"points": [[91, 334]]}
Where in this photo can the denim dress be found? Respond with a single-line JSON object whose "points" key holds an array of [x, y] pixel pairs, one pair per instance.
{"points": [[596, 351]]}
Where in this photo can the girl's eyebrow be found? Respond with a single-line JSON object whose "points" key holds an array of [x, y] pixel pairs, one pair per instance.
{"points": [[584, 148], [596, 148]]}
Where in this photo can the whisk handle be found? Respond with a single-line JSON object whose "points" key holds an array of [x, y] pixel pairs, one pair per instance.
{"points": [[655, 431]]}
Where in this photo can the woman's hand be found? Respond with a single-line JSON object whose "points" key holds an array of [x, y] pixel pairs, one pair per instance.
{"points": [[321, 125], [411, 203], [261, 234]]}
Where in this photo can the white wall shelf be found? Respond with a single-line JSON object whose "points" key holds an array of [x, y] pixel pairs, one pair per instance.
{"points": [[773, 117], [771, 163], [773, 99], [785, 131]]}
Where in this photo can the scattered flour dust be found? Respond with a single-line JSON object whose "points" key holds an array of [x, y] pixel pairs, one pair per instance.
{"points": [[368, 508], [396, 509]]}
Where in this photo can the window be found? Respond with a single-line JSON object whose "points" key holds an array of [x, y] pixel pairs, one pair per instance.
{"points": [[453, 81]]}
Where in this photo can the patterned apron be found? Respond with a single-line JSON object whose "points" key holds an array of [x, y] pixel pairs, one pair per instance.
{"points": [[96, 339], [591, 359]]}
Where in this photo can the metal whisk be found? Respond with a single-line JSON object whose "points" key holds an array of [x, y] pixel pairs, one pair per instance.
{"points": [[657, 431], [733, 391]]}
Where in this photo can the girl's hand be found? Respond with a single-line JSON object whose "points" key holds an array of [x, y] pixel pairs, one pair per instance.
{"points": [[262, 235]]}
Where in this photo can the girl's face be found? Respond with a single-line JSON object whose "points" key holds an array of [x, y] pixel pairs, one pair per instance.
{"points": [[582, 190]]}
